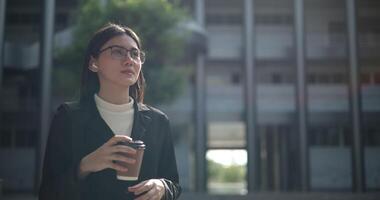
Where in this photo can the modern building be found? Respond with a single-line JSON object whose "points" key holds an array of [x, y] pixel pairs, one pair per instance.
{"points": [[287, 91]]}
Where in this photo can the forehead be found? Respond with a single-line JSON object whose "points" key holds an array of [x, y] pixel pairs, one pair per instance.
{"points": [[122, 40]]}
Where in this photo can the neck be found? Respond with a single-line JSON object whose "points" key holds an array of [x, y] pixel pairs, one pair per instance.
{"points": [[114, 94]]}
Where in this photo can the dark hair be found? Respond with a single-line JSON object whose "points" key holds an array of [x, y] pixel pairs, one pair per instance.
{"points": [[90, 80]]}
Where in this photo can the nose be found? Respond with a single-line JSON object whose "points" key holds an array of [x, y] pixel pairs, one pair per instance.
{"points": [[128, 59]]}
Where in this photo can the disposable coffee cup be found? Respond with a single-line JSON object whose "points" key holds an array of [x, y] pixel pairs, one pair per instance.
{"points": [[133, 169]]}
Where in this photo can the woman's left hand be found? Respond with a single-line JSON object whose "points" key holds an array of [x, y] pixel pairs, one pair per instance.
{"points": [[153, 189]]}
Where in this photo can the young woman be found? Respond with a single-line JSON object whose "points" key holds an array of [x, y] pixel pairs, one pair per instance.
{"points": [[83, 151]]}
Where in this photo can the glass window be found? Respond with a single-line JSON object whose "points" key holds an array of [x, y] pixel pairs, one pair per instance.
{"points": [[225, 127], [278, 156], [20, 95], [224, 12], [275, 77], [329, 130], [369, 66]]}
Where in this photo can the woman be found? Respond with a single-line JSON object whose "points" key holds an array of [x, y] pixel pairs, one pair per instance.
{"points": [[83, 151]]}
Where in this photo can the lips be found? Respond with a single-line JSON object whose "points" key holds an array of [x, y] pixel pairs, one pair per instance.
{"points": [[127, 71]]}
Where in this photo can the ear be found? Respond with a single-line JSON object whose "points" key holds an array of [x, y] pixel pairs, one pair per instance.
{"points": [[92, 65]]}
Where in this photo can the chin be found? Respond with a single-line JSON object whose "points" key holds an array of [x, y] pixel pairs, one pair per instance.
{"points": [[127, 83]]}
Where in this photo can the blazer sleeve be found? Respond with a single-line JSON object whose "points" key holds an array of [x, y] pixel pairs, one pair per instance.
{"points": [[168, 167], [59, 173]]}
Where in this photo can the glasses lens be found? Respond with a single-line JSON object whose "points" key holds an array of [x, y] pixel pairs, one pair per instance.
{"points": [[142, 57], [135, 54], [118, 53], [121, 53]]}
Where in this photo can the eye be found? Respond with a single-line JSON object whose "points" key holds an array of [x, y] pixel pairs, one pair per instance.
{"points": [[135, 53], [119, 52]]}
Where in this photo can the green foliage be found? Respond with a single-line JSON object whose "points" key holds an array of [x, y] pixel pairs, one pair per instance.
{"points": [[220, 173], [155, 21]]}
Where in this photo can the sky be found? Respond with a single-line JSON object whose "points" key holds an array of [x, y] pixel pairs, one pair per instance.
{"points": [[228, 157]]}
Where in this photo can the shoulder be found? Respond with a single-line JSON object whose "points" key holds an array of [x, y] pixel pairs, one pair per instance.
{"points": [[152, 111], [68, 108]]}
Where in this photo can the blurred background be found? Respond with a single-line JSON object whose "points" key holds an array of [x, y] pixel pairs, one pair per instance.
{"points": [[267, 99]]}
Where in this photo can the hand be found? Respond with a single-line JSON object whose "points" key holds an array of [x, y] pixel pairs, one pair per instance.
{"points": [[105, 155], [154, 189]]}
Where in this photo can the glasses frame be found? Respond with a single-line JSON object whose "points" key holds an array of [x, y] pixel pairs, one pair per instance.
{"points": [[140, 59]]}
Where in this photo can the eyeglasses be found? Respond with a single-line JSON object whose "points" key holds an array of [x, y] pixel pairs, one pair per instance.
{"points": [[121, 53]]}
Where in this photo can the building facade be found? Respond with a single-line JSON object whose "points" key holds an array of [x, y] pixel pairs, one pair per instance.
{"points": [[290, 91]]}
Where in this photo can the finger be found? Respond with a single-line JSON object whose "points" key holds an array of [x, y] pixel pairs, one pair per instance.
{"points": [[135, 187], [146, 187], [123, 136], [149, 195], [122, 158], [123, 149], [117, 167], [118, 138]]}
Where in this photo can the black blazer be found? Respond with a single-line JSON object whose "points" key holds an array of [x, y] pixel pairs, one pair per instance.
{"points": [[78, 129]]}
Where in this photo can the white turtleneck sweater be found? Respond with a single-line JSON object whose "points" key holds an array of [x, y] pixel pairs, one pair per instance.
{"points": [[118, 117]]}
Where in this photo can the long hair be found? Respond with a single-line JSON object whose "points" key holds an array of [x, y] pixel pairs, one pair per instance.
{"points": [[90, 80]]}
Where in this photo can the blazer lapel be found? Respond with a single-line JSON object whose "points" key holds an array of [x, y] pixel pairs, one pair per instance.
{"points": [[141, 121], [97, 132]]}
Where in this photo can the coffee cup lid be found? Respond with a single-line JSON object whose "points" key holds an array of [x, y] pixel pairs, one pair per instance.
{"points": [[137, 144]]}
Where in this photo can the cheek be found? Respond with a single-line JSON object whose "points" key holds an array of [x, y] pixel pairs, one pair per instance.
{"points": [[138, 68], [107, 67], [107, 71]]}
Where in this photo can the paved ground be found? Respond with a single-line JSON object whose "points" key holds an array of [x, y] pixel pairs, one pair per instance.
{"points": [[258, 196], [18, 197]]}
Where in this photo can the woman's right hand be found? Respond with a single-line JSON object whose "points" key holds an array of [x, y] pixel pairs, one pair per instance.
{"points": [[105, 156]]}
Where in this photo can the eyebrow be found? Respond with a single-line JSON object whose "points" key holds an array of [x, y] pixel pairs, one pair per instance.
{"points": [[121, 47], [108, 47]]}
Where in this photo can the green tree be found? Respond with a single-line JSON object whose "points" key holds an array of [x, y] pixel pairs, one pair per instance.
{"points": [[227, 174], [155, 21], [215, 170], [234, 173]]}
